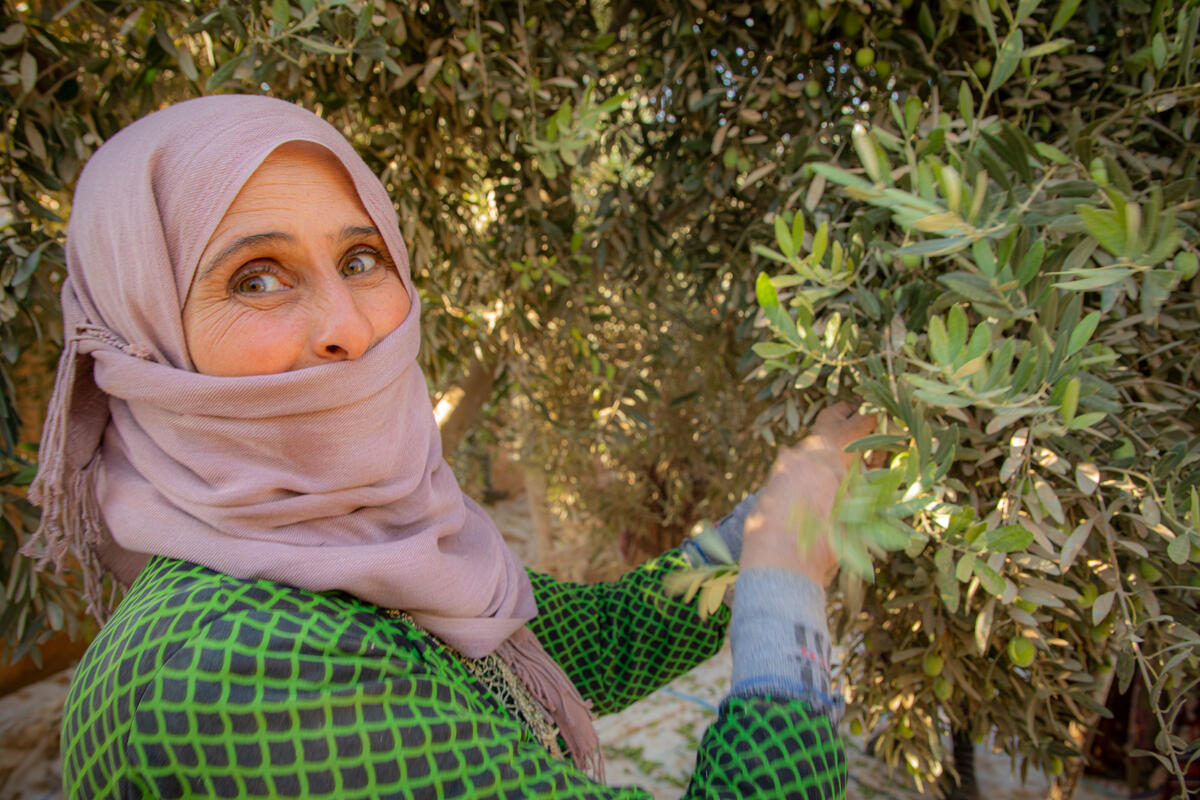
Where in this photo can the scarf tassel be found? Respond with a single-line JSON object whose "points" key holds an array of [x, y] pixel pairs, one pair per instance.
{"points": [[71, 521], [549, 685]]}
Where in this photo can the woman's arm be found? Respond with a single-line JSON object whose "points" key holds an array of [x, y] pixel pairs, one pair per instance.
{"points": [[764, 747], [619, 641], [615, 647], [781, 643]]}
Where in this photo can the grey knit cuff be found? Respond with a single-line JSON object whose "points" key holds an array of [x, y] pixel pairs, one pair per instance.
{"points": [[780, 640], [701, 551]]}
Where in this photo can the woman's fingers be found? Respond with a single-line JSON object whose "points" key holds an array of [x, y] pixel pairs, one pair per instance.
{"points": [[837, 426], [833, 415], [877, 459], [804, 479], [858, 426]]}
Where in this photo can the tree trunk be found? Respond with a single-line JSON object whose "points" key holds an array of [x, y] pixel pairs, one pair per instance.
{"points": [[964, 764], [58, 653], [539, 510], [459, 406], [1082, 733]]}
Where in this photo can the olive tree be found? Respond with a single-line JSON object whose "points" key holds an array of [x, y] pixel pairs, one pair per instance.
{"points": [[1018, 300], [1000, 259]]}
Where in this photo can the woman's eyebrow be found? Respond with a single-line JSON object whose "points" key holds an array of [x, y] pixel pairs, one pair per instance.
{"points": [[355, 232], [240, 244]]}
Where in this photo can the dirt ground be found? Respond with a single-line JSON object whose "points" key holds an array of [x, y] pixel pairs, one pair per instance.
{"points": [[651, 744]]}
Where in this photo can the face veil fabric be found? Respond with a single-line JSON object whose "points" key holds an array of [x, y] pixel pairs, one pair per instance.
{"points": [[325, 478]]}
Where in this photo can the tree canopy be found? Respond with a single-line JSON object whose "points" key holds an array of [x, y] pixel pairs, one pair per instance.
{"points": [[667, 232]]}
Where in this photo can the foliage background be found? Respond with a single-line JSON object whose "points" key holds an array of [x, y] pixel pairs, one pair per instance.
{"points": [[590, 193]]}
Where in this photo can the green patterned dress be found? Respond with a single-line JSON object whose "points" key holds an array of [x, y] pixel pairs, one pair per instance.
{"points": [[202, 685]]}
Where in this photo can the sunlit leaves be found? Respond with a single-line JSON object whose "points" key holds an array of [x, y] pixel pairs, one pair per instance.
{"points": [[706, 585], [996, 349], [1008, 539], [1007, 60]]}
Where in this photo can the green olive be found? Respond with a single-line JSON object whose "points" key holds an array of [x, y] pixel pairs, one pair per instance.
{"points": [[883, 68], [942, 688], [932, 665], [910, 261], [1021, 651], [1186, 265], [1126, 449], [982, 68], [864, 57], [852, 24], [812, 88], [812, 19]]}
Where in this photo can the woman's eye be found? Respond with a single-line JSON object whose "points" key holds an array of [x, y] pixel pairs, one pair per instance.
{"points": [[359, 263], [258, 283]]}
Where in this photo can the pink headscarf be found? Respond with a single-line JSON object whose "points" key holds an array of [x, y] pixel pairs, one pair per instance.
{"points": [[326, 478]]}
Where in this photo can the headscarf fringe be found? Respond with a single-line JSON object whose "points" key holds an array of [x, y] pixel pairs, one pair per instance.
{"points": [[51, 542], [571, 713], [71, 523]]}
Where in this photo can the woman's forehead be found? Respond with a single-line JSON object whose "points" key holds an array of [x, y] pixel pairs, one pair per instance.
{"points": [[298, 174]]}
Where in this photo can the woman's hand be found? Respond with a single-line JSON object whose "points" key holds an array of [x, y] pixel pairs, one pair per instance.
{"points": [[803, 483]]}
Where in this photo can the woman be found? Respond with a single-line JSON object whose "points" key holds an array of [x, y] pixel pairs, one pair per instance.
{"points": [[240, 430]]}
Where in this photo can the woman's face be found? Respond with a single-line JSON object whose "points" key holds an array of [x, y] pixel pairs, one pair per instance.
{"points": [[295, 275]]}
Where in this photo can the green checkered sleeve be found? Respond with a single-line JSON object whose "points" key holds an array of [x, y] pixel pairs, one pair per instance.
{"points": [[620, 641], [764, 748]]}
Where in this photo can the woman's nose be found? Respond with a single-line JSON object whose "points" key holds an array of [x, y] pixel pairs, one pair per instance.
{"points": [[341, 330]]}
